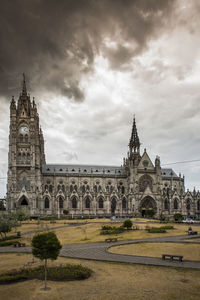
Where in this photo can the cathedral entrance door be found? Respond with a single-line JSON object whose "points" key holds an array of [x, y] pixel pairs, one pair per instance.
{"points": [[23, 203], [113, 206], [148, 207]]}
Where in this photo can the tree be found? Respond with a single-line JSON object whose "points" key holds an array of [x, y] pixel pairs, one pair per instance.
{"points": [[128, 224], [178, 217], [22, 215], [46, 246], [65, 212], [5, 226]]}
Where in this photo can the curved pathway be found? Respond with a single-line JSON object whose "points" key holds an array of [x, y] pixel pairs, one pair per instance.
{"points": [[99, 251]]}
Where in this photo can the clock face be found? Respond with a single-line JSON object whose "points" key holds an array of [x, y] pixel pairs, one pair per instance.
{"points": [[24, 130]]}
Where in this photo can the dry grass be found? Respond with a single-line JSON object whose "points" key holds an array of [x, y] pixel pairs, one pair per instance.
{"points": [[109, 281], [90, 232], [189, 251]]}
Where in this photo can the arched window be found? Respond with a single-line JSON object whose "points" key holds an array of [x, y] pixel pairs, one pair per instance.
{"points": [[100, 202], [123, 190], [63, 188], [166, 204], [144, 182], [87, 202], [175, 204], [88, 188], [99, 189], [74, 202], [59, 187], [188, 204], [46, 187], [75, 187], [26, 138], [95, 189], [198, 205], [50, 189], [111, 188], [60, 200], [71, 188], [124, 204], [46, 202]]}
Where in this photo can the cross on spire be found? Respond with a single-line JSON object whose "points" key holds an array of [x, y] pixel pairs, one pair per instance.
{"points": [[134, 144]]}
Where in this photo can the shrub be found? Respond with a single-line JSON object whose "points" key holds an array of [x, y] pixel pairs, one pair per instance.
{"points": [[156, 230], [8, 243], [111, 230], [10, 237], [62, 272], [128, 224], [167, 227]]}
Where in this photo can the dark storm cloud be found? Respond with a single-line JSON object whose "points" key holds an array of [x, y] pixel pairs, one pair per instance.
{"points": [[55, 42]]}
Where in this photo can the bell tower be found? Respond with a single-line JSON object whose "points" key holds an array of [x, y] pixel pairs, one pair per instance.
{"points": [[26, 155]]}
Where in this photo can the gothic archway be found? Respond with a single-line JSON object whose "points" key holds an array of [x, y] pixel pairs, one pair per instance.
{"points": [[23, 201], [148, 206]]}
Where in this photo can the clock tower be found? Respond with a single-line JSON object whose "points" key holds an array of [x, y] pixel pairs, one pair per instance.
{"points": [[26, 155]]}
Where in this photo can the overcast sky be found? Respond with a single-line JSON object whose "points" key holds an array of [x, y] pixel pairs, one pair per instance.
{"points": [[92, 65]]}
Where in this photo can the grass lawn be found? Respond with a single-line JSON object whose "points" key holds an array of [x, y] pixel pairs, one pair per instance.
{"points": [[90, 231], [109, 281], [189, 251]]}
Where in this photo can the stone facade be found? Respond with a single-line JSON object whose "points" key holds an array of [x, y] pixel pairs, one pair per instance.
{"points": [[128, 190]]}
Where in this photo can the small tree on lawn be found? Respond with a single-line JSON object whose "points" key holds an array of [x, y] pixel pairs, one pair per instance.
{"points": [[46, 246], [128, 224], [5, 226]]}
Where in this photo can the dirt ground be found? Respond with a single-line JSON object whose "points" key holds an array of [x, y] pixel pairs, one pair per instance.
{"points": [[109, 281], [189, 251]]}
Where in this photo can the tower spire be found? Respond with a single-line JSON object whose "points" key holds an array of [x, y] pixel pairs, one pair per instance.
{"points": [[134, 144], [24, 92]]}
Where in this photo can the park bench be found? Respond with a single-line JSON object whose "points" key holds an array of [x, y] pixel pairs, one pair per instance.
{"points": [[110, 240], [190, 232], [19, 245], [172, 257]]}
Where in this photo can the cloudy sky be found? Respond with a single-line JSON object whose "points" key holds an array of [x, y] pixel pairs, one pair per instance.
{"points": [[92, 65]]}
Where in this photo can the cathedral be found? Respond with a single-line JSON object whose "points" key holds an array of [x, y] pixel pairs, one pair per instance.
{"points": [[137, 188]]}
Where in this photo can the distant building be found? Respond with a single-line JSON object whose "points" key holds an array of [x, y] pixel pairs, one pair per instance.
{"points": [[133, 189]]}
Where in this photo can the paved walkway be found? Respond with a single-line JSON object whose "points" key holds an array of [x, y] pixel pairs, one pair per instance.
{"points": [[99, 251]]}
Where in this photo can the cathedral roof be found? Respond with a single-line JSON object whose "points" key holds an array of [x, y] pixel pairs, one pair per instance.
{"points": [[83, 169], [167, 172]]}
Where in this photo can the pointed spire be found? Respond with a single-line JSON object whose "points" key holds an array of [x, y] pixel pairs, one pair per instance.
{"points": [[134, 144], [24, 92]]}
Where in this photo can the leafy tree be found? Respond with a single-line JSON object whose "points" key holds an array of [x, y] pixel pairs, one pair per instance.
{"points": [[128, 224], [21, 215], [178, 217], [5, 226], [46, 246], [65, 212]]}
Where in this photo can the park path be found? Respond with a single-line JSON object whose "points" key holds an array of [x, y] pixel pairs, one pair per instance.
{"points": [[99, 252]]}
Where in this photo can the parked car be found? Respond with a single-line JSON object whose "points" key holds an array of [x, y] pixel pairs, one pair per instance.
{"points": [[188, 221]]}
